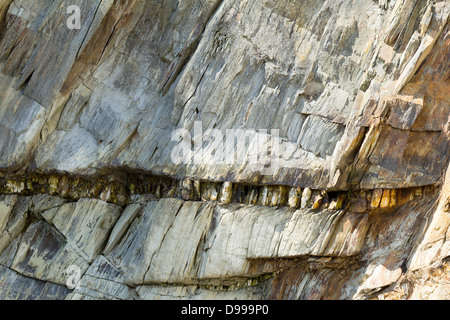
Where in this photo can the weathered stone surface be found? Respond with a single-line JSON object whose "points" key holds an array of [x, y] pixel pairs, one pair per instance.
{"points": [[6, 207], [376, 198], [142, 244], [102, 281], [44, 254], [315, 103], [14, 286], [385, 198], [226, 193], [197, 293], [87, 225], [15, 224], [306, 196], [128, 215], [294, 197], [200, 247], [349, 198], [41, 203], [216, 242], [360, 205]]}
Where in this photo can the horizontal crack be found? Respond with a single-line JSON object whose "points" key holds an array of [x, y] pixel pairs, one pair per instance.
{"points": [[33, 278], [218, 284], [123, 190]]}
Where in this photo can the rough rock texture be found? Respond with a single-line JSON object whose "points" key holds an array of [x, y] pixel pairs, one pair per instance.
{"points": [[356, 94]]}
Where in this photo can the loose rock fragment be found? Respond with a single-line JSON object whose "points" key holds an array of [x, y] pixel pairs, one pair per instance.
{"points": [[317, 199], [264, 196], [278, 196], [385, 198], [106, 194], [306, 197], [376, 198], [253, 196], [187, 190], [226, 193], [418, 192], [393, 198], [13, 186], [317, 203], [294, 197], [53, 184], [214, 196], [340, 201], [197, 189]]}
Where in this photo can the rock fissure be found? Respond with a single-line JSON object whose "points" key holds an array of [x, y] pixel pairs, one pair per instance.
{"points": [[110, 189]]}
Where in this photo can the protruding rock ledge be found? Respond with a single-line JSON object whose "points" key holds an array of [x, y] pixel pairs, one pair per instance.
{"points": [[111, 190]]}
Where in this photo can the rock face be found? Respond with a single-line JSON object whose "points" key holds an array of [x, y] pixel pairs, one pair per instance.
{"points": [[225, 149]]}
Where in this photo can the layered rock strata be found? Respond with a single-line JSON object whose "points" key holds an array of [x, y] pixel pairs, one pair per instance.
{"points": [[349, 198]]}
